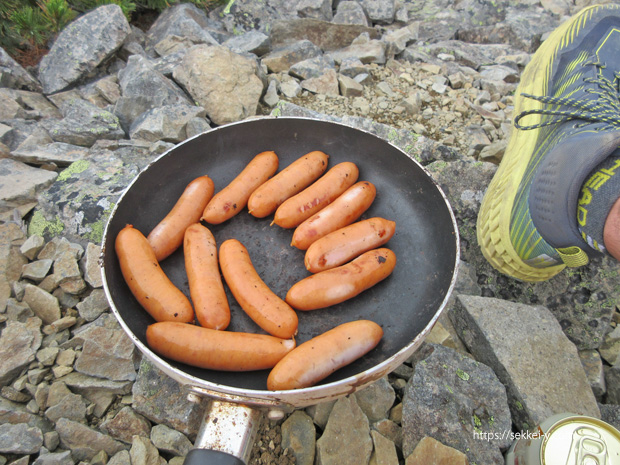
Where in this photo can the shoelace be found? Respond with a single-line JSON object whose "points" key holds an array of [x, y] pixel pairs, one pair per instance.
{"points": [[604, 109]]}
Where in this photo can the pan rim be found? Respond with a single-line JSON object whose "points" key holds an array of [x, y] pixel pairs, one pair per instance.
{"points": [[283, 399]]}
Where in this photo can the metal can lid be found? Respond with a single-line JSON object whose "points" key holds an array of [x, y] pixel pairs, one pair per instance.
{"points": [[580, 440]]}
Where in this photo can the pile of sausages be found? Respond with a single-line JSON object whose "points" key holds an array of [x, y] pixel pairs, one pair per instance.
{"points": [[344, 256]]}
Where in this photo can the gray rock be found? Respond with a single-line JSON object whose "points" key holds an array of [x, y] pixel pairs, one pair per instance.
{"points": [[384, 450], [143, 452], [20, 439], [593, 367], [85, 442], [170, 441], [346, 438], [610, 349], [380, 11], [376, 400], [348, 12], [166, 123], [107, 353], [612, 380], [84, 124], [223, 83], [299, 435], [271, 94], [67, 405], [43, 304], [120, 458], [325, 84], [282, 58], [59, 153], [100, 33], [196, 126], [519, 342], [91, 269], [349, 87], [312, 67], [143, 88], [14, 76], [249, 42], [37, 270], [126, 424], [184, 20], [450, 397], [21, 183], [94, 305], [162, 400], [371, 51], [56, 458], [14, 413], [19, 343], [320, 413], [325, 35], [391, 430], [610, 413], [398, 40], [18, 311]]}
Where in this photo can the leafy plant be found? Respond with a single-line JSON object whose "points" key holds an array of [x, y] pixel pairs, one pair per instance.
{"points": [[30, 24], [57, 13]]}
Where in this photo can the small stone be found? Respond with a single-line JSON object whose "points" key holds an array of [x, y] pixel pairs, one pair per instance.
{"points": [[429, 451], [384, 452], [37, 270], [299, 436], [47, 356], [610, 348], [92, 271], [126, 424], [593, 366], [42, 303], [20, 439], [143, 452], [169, 440], [376, 400], [32, 246], [349, 87]]}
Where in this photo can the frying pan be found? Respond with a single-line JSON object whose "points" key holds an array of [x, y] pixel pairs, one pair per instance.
{"points": [[406, 304]]}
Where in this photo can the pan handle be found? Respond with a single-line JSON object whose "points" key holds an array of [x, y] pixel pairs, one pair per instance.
{"points": [[211, 457], [226, 435]]}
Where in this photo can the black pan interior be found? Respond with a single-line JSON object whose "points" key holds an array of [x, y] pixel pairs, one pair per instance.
{"points": [[424, 242]]}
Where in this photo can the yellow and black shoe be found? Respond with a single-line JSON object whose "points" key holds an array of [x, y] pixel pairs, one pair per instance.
{"points": [[567, 122]]}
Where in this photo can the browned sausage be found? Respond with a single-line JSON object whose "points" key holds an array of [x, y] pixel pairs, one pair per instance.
{"points": [[203, 274], [288, 182], [261, 304], [216, 350], [342, 245], [324, 191], [333, 286], [147, 281], [167, 236], [319, 357], [234, 197], [341, 212]]}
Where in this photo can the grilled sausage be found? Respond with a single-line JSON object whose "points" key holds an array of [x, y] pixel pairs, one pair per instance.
{"points": [[167, 236], [341, 212], [333, 286], [234, 197], [324, 191], [261, 304], [342, 245], [319, 357], [147, 281], [216, 350], [203, 274], [288, 182]]}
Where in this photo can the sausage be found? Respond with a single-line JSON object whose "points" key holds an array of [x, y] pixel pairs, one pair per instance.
{"points": [[261, 304], [147, 281], [319, 357], [302, 206], [343, 211], [234, 197], [203, 274], [288, 182], [216, 350], [333, 286], [167, 236], [342, 245]]}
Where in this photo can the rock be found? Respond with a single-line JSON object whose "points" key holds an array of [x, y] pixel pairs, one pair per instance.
{"points": [[59, 153], [84, 124], [126, 424], [593, 367], [432, 452], [94, 305], [144, 88], [384, 452], [312, 67], [143, 452], [56, 458], [37, 270], [299, 435], [21, 183], [161, 400], [166, 123], [91, 269], [346, 438], [325, 35], [371, 51], [20, 439], [282, 58], [85, 442], [67, 405], [170, 441], [610, 348], [99, 33], [14, 76], [250, 42], [348, 12], [223, 83], [43, 304], [454, 398], [349, 87], [376, 400], [320, 413], [381, 11], [612, 380], [326, 84], [519, 342]]}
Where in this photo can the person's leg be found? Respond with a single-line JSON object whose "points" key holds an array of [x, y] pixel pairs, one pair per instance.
{"points": [[611, 232]]}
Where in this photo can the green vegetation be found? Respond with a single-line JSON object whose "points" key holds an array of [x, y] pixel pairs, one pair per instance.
{"points": [[27, 25]]}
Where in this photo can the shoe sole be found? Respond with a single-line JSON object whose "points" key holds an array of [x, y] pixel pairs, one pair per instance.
{"points": [[493, 226]]}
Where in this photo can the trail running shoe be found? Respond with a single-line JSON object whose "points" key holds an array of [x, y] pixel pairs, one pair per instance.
{"points": [[567, 121]]}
